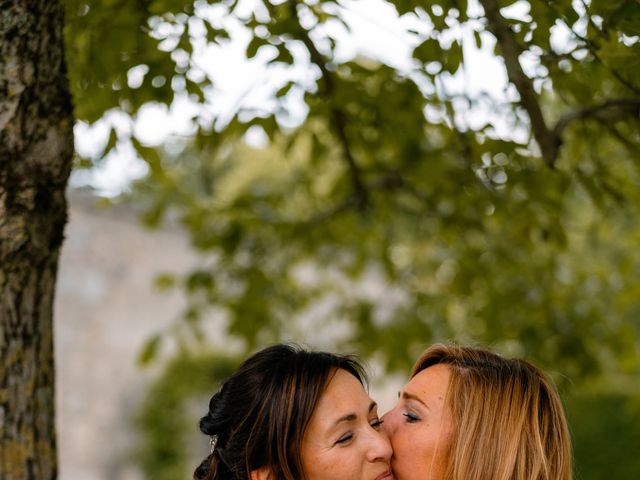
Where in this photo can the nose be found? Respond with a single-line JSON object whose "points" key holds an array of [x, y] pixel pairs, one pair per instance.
{"points": [[380, 447]]}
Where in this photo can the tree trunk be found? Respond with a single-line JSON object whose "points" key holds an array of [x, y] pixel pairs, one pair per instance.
{"points": [[36, 147]]}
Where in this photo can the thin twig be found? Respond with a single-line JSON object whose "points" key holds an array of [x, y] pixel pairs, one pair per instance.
{"points": [[632, 147], [593, 46], [321, 217], [338, 122], [611, 109], [394, 180], [528, 99]]}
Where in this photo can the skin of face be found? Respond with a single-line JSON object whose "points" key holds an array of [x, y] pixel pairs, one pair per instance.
{"points": [[344, 439], [419, 426]]}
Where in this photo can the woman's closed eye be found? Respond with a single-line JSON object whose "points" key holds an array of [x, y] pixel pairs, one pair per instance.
{"points": [[376, 423], [411, 417], [344, 439]]}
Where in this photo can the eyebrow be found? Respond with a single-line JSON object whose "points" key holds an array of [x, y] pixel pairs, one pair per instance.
{"points": [[410, 396], [350, 417]]}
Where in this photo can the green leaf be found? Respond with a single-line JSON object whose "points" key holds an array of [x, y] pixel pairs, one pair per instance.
{"points": [[111, 143], [284, 55], [282, 92], [164, 282], [150, 349], [428, 51], [254, 46], [478, 39]]}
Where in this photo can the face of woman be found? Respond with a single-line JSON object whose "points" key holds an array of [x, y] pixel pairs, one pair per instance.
{"points": [[344, 439], [419, 426]]}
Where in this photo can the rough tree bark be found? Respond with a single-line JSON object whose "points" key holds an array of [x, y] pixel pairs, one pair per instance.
{"points": [[36, 146]]}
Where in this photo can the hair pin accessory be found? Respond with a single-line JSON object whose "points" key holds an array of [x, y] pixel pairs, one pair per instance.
{"points": [[213, 441]]}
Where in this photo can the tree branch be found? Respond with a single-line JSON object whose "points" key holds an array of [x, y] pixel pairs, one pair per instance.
{"points": [[392, 181], [322, 217], [593, 46], [609, 110], [593, 49], [528, 99], [337, 118], [632, 147]]}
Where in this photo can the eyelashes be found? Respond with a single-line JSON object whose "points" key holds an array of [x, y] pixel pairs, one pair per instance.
{"points": [[376, 424], [344, 439], [411, 417]]}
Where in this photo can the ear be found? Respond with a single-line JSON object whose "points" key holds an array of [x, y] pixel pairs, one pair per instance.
{"points": [[262, 473]]}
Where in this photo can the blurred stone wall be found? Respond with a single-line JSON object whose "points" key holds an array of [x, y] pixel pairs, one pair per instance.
{"points": [[105, 308]]}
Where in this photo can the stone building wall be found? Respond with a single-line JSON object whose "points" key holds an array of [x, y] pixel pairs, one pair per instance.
{"points": [[105, 308]]}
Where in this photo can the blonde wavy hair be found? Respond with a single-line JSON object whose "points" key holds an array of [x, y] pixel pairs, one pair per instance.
{"points": [[508, 422]]}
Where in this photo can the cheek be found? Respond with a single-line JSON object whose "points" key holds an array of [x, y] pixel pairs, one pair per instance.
{"points": [[324, 469], [341, 466], [390, 421], [396, 432], [335, 464], [399, 442], [413, 446]]}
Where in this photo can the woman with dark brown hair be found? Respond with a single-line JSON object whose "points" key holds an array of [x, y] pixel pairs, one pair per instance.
{"points": [[469, 414], [292, 414]]}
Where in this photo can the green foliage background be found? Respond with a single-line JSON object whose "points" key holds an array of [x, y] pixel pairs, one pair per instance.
{"points": [[167, 419], [603, 432], [519, 233]]}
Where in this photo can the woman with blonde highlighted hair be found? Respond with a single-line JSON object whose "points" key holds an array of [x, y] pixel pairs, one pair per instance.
{"points": [[470, 414]]}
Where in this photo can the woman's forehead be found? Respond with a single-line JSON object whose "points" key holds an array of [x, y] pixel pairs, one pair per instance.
{"points": [[344, 395], [433, 381]]}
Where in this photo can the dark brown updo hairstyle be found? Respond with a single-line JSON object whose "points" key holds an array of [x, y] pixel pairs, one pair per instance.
{"points": [[259, 416]]}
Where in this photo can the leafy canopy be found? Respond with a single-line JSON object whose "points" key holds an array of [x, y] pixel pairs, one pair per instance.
{"points": [[391, 207]]}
